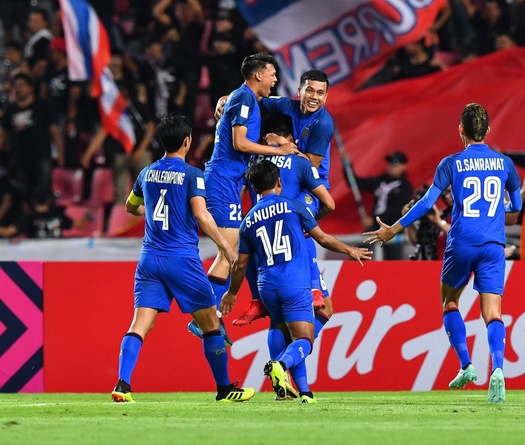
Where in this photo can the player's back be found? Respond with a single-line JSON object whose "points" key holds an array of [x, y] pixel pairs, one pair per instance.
{"points": [[241, 108], [167, 187], [296, 172], [479, 177], [273, 230]]}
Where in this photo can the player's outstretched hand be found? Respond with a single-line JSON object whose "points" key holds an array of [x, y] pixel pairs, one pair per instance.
{"points": [[383, 234], [360, 254], [227, 302]]}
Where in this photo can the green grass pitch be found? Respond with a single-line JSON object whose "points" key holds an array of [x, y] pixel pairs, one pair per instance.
{"points": [[437, 417]]}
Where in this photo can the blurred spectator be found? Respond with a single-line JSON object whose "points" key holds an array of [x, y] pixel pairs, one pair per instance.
{"points": [[11, 208], [161, 82], [415, 60], [183, 23], [14, 14], [28, 128], [36, 48], [517, 30], [489, 23], [392, 191], [224, 57], [48, 220], [13, 63], [55, 81]]}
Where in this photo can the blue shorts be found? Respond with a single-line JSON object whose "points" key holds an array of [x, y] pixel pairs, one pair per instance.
{"points": [[160, 279], [317, 281], [223, 199], [287, 305], [487, 262]]}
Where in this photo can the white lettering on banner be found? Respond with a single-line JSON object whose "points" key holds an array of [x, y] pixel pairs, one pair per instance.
{"points": [[435, 350], [432, 346], [341, 47], [362, 357]]}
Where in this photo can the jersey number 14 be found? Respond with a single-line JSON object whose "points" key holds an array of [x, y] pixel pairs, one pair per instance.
{"points": [[279, 245]]}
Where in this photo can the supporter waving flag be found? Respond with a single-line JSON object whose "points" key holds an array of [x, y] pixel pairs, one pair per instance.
{"points": [[88, 53], [349, 40]]}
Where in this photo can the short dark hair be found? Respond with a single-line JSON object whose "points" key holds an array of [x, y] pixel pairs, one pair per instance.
{"points": [[43, 13], [318, 75], [172, 130], [278, 123], [475, 122], [263, 175], [22, 76], [254, 63]]}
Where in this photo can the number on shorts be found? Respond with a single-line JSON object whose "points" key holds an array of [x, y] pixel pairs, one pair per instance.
{"points": [[235, 214]]}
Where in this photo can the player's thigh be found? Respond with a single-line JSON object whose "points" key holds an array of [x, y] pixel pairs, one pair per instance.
{"points": [[187, 281], [489, 271], [458, 264], [149, 290]]}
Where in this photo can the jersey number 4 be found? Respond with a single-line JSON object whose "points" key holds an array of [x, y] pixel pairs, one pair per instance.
{"points": [[161, 211], [280, 244]]}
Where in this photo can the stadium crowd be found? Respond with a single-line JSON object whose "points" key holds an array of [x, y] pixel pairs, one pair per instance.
{"points": [[167, 56]]}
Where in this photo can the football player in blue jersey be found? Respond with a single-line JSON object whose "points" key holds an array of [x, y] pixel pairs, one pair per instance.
{"points": [[236, 138], [273, 231], [300, 180], [312, 129], [171, 195], [479, 177]]}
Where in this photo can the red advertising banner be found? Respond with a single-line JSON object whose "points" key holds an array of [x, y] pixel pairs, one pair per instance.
{"points": [[386, 333]]}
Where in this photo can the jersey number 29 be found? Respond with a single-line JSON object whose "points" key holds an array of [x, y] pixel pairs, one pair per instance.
{"points": [[491, 194]]}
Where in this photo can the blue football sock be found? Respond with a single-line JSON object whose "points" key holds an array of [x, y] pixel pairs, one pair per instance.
{"points": [[215, 352], [219, 286], [496, 338], [457, 334], [276, 342], [296, 352], [320, 321], [129, 353], [298, 373]]}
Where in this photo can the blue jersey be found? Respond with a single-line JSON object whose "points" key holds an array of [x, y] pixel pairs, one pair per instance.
{"points": [[297, 174], [242, 109], [479, 177], [272, 231], [167, 187], [312, 132]]}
